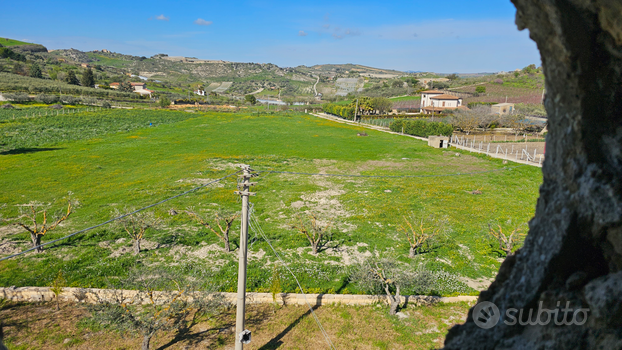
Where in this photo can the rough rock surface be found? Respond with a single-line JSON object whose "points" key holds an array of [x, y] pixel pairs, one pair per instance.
{"points": [[573, 252]]}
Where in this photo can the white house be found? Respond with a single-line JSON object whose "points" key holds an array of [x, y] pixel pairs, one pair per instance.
{"points": [[200, 92], [434, 101]]}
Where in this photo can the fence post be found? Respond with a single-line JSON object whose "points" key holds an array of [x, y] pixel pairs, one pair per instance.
{"points": [[488, 149]]}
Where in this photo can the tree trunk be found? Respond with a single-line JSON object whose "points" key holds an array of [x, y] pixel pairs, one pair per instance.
{"points": [[395, 302], [136, 246], [411, 254], [227, 245], [146, 340], [314, 248], [57, 302], [36, 241]]}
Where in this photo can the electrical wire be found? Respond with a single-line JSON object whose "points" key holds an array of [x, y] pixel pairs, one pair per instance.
{"points": [[122, 216], [254, 225], [388, 176]]}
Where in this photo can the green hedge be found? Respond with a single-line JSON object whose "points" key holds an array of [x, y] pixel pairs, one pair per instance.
{"points": [[339, 110], [473, 104], [421, 128]]}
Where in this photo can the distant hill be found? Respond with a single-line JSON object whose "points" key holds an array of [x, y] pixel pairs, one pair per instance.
{"points": [[12, 42]]}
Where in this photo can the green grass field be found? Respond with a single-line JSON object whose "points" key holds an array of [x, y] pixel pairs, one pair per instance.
{"points": [[113, 159], [405, 98], [12, 42]]}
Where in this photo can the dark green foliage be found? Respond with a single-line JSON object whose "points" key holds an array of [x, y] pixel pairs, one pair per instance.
{"points": [[71, 78], [421, 128], [47, 99], [452, 77], [251, 98], [164, 102], [5, 52], [106, 104], [438, 85], [126, 86], [480, 89], [88, 79], [339, 110], [20, 97], [35, 71]]}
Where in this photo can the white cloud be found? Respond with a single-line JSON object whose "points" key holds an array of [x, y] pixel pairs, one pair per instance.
{"points": [[302, 33], [160, 18], [202, 22]]}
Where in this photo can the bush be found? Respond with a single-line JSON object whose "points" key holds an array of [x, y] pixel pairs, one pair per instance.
{"points": [[421, 128], [69, 100], [106, 104], [47, 99], [480, 89], [345, 112], [19, 97], [164, 102], [472, 105]]}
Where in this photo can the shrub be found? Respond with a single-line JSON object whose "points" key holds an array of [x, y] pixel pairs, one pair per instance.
{"points": [[19, 97], [421, 128], [47, 99], [345, 112], [69, 100], [480, 89], [106, 104]]}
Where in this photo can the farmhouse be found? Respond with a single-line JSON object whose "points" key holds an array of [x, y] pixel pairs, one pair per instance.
{"points": [[503, 108], [139, 88], [434, 101]]}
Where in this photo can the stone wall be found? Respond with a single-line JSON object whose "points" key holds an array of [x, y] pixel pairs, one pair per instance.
{"points": [[93, 295]]}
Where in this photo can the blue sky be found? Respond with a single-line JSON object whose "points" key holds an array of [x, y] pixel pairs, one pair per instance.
{"points": [[441, 36]]}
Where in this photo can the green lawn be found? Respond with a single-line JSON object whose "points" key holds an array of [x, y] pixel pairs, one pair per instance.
{"points": [[109, 165], [12, 42], [405, 98]]}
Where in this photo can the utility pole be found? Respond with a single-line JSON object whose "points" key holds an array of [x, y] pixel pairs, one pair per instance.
{"points": [[243, 336]]}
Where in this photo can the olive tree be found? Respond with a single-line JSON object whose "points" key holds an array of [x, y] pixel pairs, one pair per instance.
{"points": [[35, 219], [136, 225], [317, 230], [507, 240], [150, 300], [387, 276], [224, 221], [422, 232]]}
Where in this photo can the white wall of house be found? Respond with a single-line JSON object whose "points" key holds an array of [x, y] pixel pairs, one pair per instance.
{"points": [[447, 103], [425, 99]]}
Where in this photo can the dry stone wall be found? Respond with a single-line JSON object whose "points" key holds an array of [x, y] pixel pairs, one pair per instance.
{"points": [[93, 295]]}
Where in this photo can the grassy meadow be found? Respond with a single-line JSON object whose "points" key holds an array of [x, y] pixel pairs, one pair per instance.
{"points": [[121, 159]]}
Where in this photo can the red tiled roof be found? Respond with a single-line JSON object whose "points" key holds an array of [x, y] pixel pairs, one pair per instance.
{"points": [[445, 97], [136, 84], [114, 84]]}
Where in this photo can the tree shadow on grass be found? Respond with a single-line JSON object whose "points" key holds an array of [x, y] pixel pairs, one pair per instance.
{"points": [[276, 342], [27, 150]]}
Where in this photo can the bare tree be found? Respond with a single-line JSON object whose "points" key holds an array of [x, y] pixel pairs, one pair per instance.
{"points": [[37, 222], [2, 346], [421, 232], [136, 225], [223, 221], [149, 301], [317, 231], [389, 277], [467, 120], [507, 242]]}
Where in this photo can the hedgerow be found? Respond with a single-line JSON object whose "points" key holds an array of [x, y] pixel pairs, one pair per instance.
{"points": [[421, 128], [339, 110]]}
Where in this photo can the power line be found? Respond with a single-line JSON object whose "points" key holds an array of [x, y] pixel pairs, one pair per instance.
{"points": [[388, 176], [121, 217], [254, 224]]}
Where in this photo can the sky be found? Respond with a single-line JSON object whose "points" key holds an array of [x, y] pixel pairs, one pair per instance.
{"points": [[444, 36]]}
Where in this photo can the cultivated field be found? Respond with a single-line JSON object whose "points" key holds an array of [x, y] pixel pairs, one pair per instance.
{"points": [[118, 160]]}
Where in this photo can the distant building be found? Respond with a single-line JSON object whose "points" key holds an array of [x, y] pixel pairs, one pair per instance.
{"points": [[84, 65], [503, 108], [199, 92], [438, 141], [114, 86], [105, 51], [434, 101]]}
